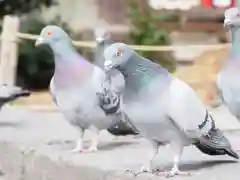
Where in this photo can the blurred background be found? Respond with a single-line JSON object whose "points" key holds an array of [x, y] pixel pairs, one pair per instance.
{"points": [[194, 26]]}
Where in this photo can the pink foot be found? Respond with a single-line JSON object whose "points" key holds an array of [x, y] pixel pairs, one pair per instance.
{"points": [[90, 150], [85, 151], [77, 150]]}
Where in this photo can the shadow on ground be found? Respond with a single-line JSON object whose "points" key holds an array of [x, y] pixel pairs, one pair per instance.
{"points": [[195, 166], [4, 124], [106, 146], [1, 173], [115, 144]]}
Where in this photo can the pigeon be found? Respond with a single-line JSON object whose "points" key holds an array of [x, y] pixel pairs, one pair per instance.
{"points": [[228, 77], [80, 89], [103, 39], [10, 93], [164, 109]]}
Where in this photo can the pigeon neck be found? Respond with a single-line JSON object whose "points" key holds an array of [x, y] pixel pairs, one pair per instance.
{"points": [[63, 51], [235, 50], [101, 46], [105, 42], [140, 74], [69, 64], [136, 72]]}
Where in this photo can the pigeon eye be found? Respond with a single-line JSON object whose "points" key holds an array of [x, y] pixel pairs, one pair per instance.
{"points": [[119, 53], [49, 33]]}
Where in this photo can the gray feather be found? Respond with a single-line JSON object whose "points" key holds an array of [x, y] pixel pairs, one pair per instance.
{"points": [[229, 75], [77, 85], [10, 93], [161, 106], [103, 39], [214, 142]]}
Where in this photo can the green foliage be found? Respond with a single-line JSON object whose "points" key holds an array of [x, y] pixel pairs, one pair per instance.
{"points": [[148, 32], [18, 7], [35, 65]]}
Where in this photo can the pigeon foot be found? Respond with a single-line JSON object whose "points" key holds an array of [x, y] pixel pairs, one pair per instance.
{"points": [[89, 150], [173, 173], [143, 170], [167, 174], [77, 150]]}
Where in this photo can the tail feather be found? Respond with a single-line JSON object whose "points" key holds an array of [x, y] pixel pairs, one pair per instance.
{"points": [[232, 153], [14, 97], [214, 143]]}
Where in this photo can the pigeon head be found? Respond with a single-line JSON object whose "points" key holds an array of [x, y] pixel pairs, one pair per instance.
{"points": [[11, 92], [116, 55], [232, 23], [232, 18], [50, 35], [101, 35]]}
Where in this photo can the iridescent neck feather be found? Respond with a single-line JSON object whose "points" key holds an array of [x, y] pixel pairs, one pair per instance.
{"points": [[70, 67], [235, 49]]}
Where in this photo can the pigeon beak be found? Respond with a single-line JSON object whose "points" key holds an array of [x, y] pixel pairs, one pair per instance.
{"points": [[227, 23], [25, 93], [100, 39], [39, 41], [108, 65]]}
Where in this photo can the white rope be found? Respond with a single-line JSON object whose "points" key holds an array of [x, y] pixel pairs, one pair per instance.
{"points": [[91, 44]]}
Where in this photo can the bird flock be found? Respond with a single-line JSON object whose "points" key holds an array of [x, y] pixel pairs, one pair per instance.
{"points": [[127, 94]]}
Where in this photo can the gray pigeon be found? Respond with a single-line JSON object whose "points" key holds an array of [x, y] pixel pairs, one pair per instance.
{"points": [[229, 75], [77, 88], [10, 93], [103, 39], [163, 108]]}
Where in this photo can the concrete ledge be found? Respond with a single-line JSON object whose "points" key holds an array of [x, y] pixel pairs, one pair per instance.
{"points": [[18, 164], [37, 146]]}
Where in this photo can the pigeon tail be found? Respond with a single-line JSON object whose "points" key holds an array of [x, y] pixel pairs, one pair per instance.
{"points": [[214, 143], [24, 93]]}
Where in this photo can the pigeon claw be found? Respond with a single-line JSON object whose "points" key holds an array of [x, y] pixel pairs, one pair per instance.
{"points": [[173, 173], [137, 173], [84, 151], [77, 150], [90, 150], [25, 93]]}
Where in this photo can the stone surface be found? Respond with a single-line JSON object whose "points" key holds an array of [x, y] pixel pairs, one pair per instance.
{"points": [[202, 73], [37, 146]]}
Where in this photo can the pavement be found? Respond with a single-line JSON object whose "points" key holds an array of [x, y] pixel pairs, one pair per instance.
{"points": [[37, 146]]}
